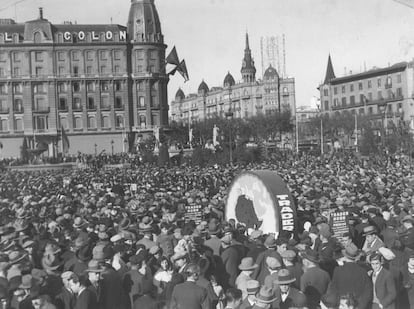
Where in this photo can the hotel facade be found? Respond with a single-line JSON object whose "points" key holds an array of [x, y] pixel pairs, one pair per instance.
{"points": [[105, 85]]}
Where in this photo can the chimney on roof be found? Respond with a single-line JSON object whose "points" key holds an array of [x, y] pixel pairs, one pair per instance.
{"points": [[40, 13]]}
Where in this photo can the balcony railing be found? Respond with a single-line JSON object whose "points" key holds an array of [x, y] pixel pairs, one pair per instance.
{"points": [[63, 108], [77, 108], [368, 102], [91, 108], [105, 108], [119, 107], [4, 110], [41, 109], [18, 110]]}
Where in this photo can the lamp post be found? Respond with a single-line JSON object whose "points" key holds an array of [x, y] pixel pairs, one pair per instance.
{"points": [[382, 107], [229, 116], [319, 109], [112, 146], [96, 149]]}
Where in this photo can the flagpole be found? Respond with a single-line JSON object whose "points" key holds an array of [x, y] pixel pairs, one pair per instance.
{"points": [[356, 133], [61, 140]]}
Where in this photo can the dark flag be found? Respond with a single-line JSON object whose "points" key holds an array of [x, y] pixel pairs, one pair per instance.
{"points": [[182, 69], [65, 141], [172, 58]]}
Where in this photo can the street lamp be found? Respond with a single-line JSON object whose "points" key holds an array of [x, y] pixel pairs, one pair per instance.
{"points": [[382, 107], [112, 146], [229, 116], [319, 109]]}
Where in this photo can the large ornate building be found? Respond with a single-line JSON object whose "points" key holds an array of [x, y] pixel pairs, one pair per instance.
{"points": [[380, 93], [103, 84], [245, 99]]}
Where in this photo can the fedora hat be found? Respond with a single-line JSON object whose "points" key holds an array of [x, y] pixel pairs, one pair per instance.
{"points": [[284, 277], [273, 263], [16, 256], [311, 255], [351, 251], [408, 218], [124, 224], [247, 263], [94, 266], [252, 287], [369, 230], [26, 282], [79, 223], [256, 234], [270, 242], [265, 295], [84, 253]]}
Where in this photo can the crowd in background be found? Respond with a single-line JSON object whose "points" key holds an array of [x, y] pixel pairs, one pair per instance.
{"points": [[119, 239]]}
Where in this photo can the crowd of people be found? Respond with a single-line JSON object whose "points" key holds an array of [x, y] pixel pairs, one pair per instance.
{"points": [[120, 239]]}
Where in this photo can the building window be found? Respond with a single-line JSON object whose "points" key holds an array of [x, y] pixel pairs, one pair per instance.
{"points": [[4, 125], [77, 104], [379, 95], [369, 84], [76, 87], [398, 78], [379, 82], [388, 82], [63, 104], [118, 85], [91, 122], [91, 103], [140, 86], [141, 101], [18, 105], [102, 54], [361, 98], [63, 123], [61, 56], [62, 87], [39, 88], [119, 121], [3, 89], [104, 86], [343, 101], [89, 55], [105, 122], [16, 72], [352, 100], [38, 56], [343, 89], [117, 55], [154, 54], [89, 70], [105, 103], [139, 68], [325, 91], [351, 87], [77, 123], [118, 103], [39, 71], [140, 54], [335, 102], [369, 96], [335, 90], [18, 124], [154, 101], [2, 72], [326, 107], [370, 110], [117, 69], [75, 70], [40, 123], [399, 92], [61, 71], [17, 88], [142, 121], [3, 105], [389, 108], [16, 57], [151, 69], [103, 69], [75, 56], [90, 86], [3, 56]]}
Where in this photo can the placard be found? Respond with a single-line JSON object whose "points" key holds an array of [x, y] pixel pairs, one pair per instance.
{"points": [[193, 212], [338, 224]]}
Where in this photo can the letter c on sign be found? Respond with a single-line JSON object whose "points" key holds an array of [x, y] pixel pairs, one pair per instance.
{"points": [[66, 36]]}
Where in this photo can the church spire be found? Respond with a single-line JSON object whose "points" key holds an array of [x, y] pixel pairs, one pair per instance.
{"points": [[329, 71], [248, 69]]}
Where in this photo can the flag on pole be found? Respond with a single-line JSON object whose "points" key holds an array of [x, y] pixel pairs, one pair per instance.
{"points": [[182, 69], [172, 57], [65, 141], [215, 135]]}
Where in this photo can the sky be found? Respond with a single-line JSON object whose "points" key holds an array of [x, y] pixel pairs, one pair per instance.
{"points": [[210, 34]]}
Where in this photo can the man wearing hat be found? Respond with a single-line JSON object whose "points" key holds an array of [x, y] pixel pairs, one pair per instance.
{"points": [[231, 260], [66, 298], [252, 288], [264, 299], [247, 267], [255, 244], [214, 241], [287, 295], [289, 260], [407, 238], [314, 281], [262, 271], [352, 278], [273, 265], [372, 241]]}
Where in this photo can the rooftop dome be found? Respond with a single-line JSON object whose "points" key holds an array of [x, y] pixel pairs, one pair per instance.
{"points": [[229, 80], [179, 95], [143, 22], [270, 73], [203, 87]]}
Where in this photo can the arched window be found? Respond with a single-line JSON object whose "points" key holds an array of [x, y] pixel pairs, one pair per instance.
{"points": [[63, 123], [4, 125], [77, 123], [18, 124], [91, 122], [142, 121], [37, 37], [18, 106], [105, 122]]}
